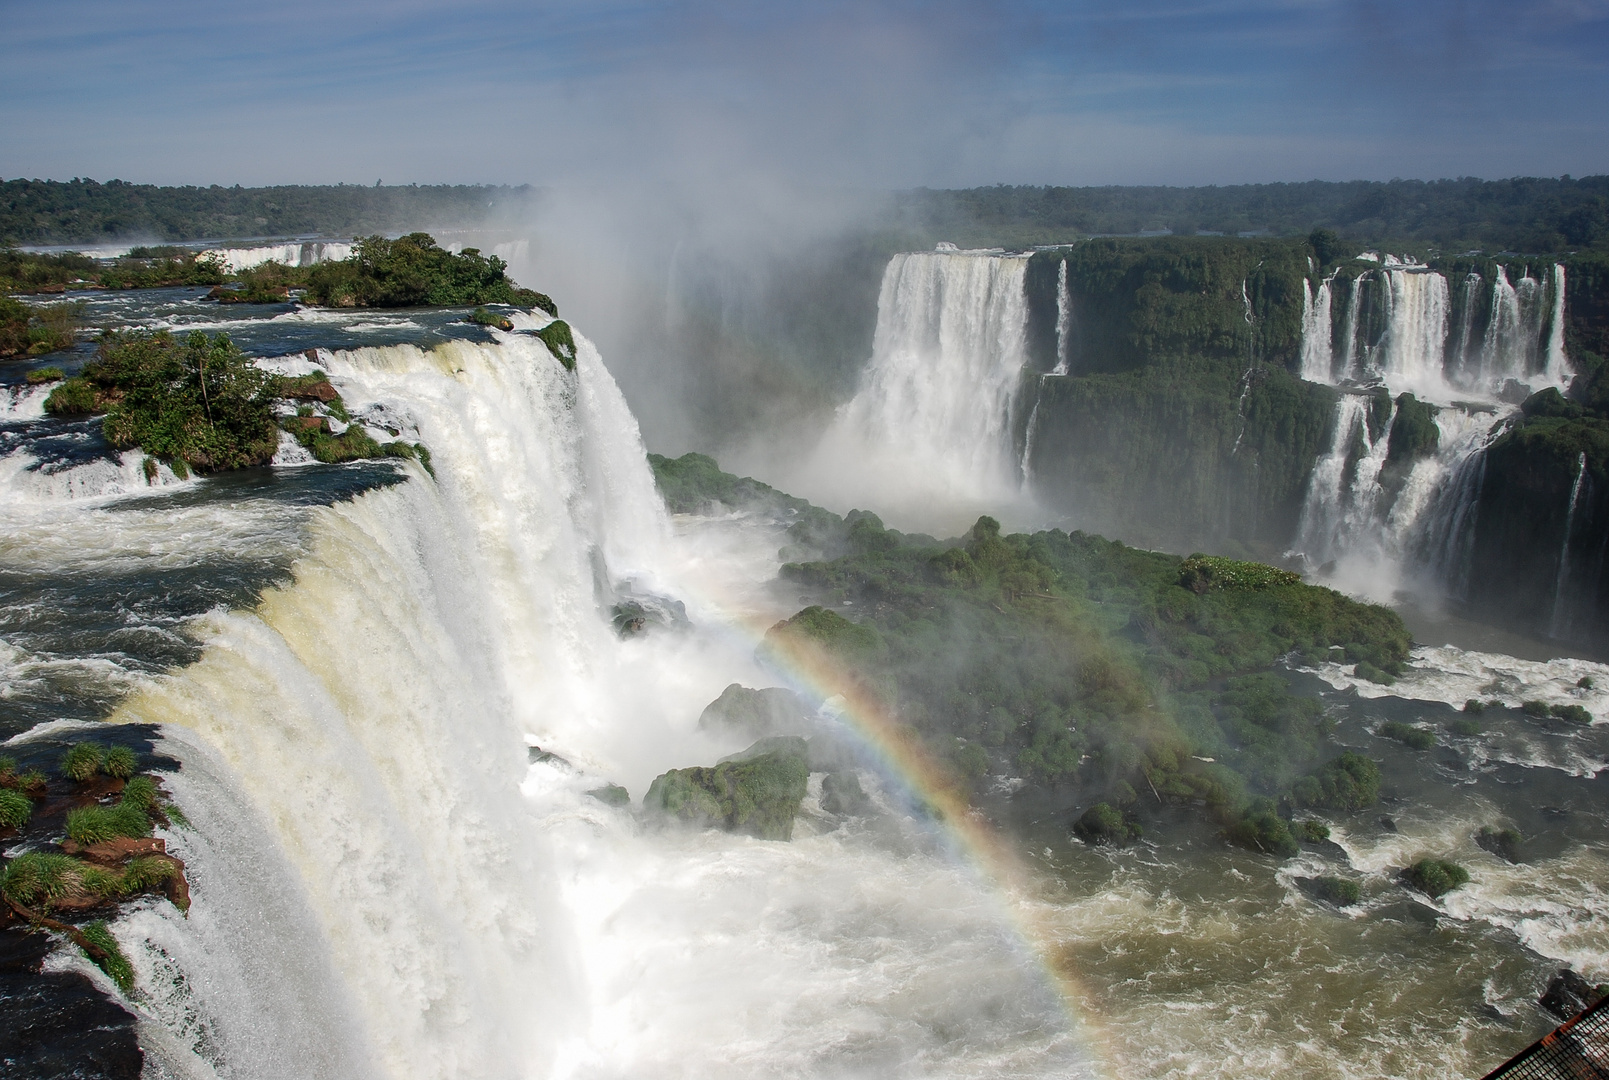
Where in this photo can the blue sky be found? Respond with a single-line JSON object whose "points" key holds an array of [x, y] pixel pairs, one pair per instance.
{"points": [[841, 94]]}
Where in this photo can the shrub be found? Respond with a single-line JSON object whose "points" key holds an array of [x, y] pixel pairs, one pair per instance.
{"points": [[1367, 671], [1312, 831], [1103, 824], [1258, 827], [82, 761], [1539, 709], [39, 376], [1334, 890], [1435, 877], [1350, 782], [75, 397], [112, 961], [1574, 714], [413, 271], [15, 808], [1417, 738], [1466, 727], [1585, 682], [1475, 706], [119, 762]]}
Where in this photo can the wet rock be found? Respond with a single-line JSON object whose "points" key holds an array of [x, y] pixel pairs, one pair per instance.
{"points": [[536, 754], [59, 1024], [1388, 825], [842, 794], [1568, 995], [1504, 843], [611, 795], [757, 792], [1103, 824], [1340, 892], [758, 713]]}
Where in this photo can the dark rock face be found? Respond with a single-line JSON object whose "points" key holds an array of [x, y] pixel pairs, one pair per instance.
{"points": [[842, 794], [58, 1024], [1568, 995], [1533, 561]]}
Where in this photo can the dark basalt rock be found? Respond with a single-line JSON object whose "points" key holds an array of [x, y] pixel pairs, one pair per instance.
{"points": [[59, 1024], [842, 794], [1568, 995]]}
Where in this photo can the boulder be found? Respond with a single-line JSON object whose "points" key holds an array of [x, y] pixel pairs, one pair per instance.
{"points": [[611, 795], [1103, 824], [842, 794], [757, 713], [757, 792], [1569, 995]]}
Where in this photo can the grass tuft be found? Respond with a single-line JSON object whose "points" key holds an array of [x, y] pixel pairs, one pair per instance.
{"points": [[113, 962], [82, 761], [120, 762], [15, 808], [40, 879]]}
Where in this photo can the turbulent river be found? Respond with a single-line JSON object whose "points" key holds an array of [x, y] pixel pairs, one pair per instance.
{"points": [[354, 665]]}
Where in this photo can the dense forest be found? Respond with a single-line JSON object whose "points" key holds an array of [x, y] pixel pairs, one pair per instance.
{"points": [[84, 212], [1524, 214]]}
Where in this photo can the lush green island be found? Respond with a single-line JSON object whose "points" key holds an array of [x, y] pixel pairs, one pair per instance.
{"points": [[199, 403], [1100, 673]]}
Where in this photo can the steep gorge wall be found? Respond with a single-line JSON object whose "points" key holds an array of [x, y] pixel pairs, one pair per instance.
{"points": [[1178, 422]]}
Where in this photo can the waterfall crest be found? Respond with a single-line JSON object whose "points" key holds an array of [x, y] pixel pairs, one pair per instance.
{"points": [[309, 253]]}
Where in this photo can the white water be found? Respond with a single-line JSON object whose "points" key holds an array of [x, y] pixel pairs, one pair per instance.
{"points": [[928, 435], [384, 887], [234, 260], [1064, 318], [1421, 539], [1556, 624]]}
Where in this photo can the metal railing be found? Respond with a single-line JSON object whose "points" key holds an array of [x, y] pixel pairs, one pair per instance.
{"points": [[1577, 1051]]}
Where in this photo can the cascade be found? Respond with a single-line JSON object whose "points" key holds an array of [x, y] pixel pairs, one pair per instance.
{"points": [[933, 420], [1064, 315], [1318, 351], [1556, 623], [1374, 531], [1349, 329], [1557, 370], [310, 253]]}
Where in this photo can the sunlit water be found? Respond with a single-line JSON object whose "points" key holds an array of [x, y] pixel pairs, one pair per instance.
{"points": [[352, 662]]}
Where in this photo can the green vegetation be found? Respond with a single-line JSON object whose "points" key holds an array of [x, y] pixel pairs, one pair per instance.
{"points": [[1541, 710], [757, 793], [1417, 738], [41, 880], [486, 317], [194, 403], [1341, 892], [1202, 573], [15, 808], [841, 793], [413, 271], [1311, 831], [1504, 843], [560, 342], [85, 211], [1435, 877], [34, 330], [119, 761], [1101, 824], [111, 959], [82, 761], [40, 376], [1466, 726], [1350, 782]]}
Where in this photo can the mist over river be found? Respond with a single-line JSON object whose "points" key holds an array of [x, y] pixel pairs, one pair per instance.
{"points": [[388, 695]]}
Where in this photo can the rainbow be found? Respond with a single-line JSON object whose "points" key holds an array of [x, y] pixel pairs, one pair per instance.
{"points": [[967, 832]]}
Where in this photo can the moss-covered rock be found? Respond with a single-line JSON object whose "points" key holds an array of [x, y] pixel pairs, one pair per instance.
{"points": [[1505, 843], [560, 342], [757, 713], [1350, 782], [1341, 892], [756, 793], [611, 795], [842, 794]]}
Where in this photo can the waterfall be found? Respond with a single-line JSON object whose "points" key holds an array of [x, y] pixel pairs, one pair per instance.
{"points": [[1410, 354], [933, 422], [1064, 317], [386, 885], [1349, 329], [1374, 531], [1557, 369], [234, 260], [1556, 624], [1318, 350]]}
